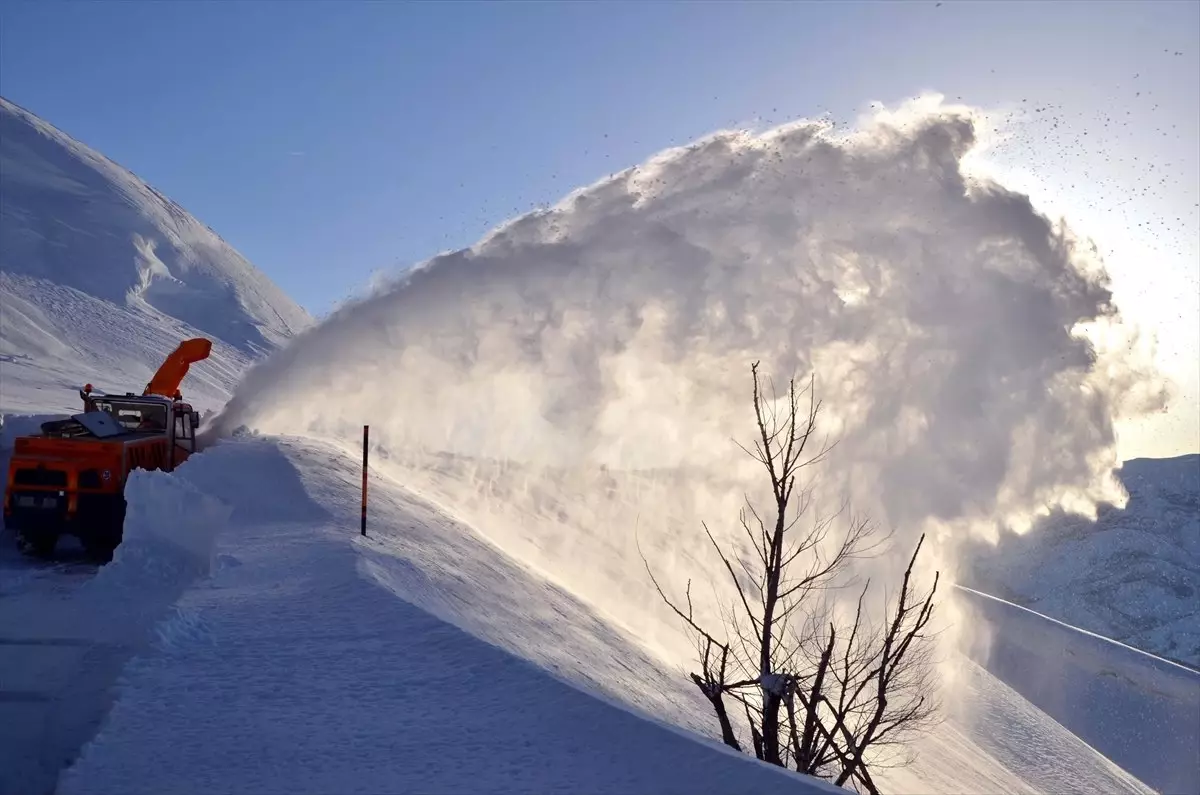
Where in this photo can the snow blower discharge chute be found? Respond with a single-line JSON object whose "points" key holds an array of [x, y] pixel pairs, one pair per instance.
{"points": [[70, 478]]}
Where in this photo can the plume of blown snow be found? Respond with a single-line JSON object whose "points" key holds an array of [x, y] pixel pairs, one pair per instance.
{"points": [[574, 383]]}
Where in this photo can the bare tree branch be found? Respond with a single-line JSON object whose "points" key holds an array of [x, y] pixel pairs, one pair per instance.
{"points": [[818, 691]]}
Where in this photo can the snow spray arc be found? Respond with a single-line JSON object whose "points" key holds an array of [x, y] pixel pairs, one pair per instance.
{"points": [[610, 336]]}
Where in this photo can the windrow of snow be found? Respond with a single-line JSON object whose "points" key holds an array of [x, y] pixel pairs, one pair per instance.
{"points": [[101, 276], [422, 658]]}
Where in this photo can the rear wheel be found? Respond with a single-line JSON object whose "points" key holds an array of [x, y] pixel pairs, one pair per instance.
{"points": [[39, 544], [101, 545], [104, 523]]}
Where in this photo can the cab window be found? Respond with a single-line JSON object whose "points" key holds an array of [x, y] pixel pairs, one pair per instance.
{"points": [[136, 416], [183, 426]]}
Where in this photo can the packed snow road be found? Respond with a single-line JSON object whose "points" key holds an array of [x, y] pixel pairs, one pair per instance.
{"points": [[68, 627], [54, 668]]}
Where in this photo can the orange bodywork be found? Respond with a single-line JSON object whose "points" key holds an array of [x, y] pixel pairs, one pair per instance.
{"points": [[74, 467], [173, 370], [71, 478]]}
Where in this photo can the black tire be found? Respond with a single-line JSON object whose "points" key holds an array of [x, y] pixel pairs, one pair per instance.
{"points": [[101, 546], [106, 525], [38, 545]]}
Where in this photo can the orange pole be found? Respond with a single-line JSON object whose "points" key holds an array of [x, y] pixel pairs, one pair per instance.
{"points": [[363, 527]]}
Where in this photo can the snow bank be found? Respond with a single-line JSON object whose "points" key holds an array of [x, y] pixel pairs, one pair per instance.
{"points": [[170, 531], [291, 670], [256, 480], [1140, 711]]}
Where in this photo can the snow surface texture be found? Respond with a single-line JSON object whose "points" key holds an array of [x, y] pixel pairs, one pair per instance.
{"points": [[101, 276], [297, 670], [66, 630], [1132, 574], [936, 309], [314, 661], [1140, 711]]}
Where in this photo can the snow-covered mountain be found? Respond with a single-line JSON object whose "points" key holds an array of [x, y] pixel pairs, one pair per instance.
{"points": [[101, 275], [1132, 574]]}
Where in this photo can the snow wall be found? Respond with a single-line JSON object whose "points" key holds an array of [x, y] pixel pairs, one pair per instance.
{"points": [[1140, 711]]}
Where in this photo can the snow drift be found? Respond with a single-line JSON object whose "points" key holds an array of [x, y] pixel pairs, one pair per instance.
{"points": [[610, 337], [169, 536], [101, 275]]}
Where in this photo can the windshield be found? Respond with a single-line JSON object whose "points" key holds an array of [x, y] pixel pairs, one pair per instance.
{"points": [[135, 415]]}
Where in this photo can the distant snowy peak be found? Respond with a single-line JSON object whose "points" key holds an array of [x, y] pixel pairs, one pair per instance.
{"points": [[72, 217], [1132, 574], [1173, 479]]}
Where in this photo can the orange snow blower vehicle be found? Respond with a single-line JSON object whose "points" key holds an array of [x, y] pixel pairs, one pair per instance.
{"points": [[70, 478]]}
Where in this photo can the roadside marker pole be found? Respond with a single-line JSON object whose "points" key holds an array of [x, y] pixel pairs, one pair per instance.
{"points": [[366, 435]]}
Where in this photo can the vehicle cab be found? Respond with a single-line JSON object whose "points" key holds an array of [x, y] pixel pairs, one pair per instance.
{"points": [[151, 415]]}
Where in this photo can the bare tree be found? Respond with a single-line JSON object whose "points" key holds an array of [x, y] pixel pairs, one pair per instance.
{"points": [[821, 693]]}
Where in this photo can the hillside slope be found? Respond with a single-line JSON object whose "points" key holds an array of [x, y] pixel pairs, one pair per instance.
{"points": [[422, 658], [1139, 711], [101, 275], [1132, 575]]}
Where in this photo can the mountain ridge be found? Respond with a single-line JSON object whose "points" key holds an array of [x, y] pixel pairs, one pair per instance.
{"points": [[63, 204], [102, 275]]}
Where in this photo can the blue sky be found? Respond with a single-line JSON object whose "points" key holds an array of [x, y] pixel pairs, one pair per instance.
{"points": [[328, 140], [331, 140]]}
